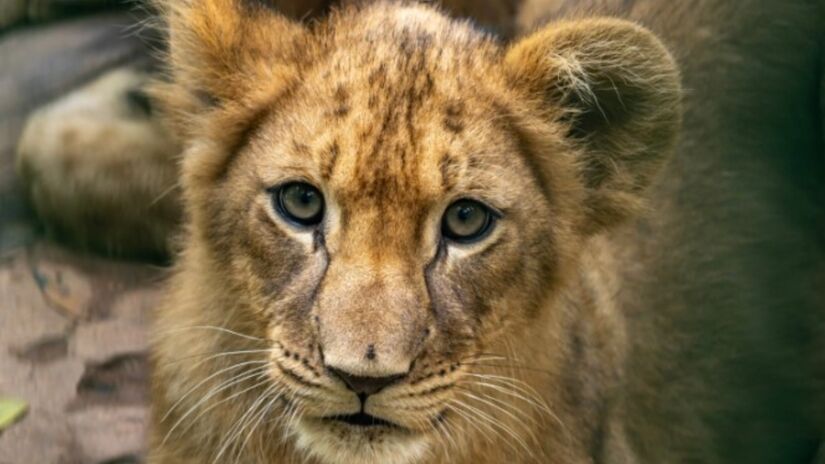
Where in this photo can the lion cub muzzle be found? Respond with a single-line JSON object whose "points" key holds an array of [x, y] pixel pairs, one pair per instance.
{"points": [[372, 323]]}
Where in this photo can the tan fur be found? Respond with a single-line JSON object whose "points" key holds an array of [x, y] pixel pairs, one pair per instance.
{"points": [[718, 287], [394, 112]]}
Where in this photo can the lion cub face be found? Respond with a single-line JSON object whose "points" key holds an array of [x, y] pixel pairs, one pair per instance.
{"points": [[386, 225], [392, 198]]}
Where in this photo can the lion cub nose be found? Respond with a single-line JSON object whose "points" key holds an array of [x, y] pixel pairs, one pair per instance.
{"points": [[365, 385]]}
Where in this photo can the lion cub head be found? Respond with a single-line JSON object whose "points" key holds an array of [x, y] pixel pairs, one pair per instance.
{"points": [[386, 199]]}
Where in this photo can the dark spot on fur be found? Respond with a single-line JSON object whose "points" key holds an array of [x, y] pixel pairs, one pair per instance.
{"points": [[453, 114], [139, 102], [342, 106], [308, 366], [431, 390], [341, 94], [453, 125], [300, 149], [328, 166], [378, 76], [208, 100], [447, 166], [318, 241], [341, 111], [370, 352], [295, 377]]}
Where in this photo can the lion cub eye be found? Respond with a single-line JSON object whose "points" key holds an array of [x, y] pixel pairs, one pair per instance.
{"points": [[466, 221], [300, 203]]}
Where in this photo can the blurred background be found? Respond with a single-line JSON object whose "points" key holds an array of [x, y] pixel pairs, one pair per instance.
{"points": [[73, 365]]}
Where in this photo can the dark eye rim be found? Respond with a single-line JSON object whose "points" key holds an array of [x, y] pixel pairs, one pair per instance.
{"points": [[277, 192], [492, 216]]}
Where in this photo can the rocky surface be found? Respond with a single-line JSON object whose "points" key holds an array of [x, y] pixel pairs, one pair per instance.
{"points": [[73, 344]]}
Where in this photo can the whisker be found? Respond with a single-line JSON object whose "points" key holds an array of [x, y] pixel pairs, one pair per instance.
{"points": [[535, 402], [485, 421], [515, 383], [453, 405], [240, 424], [482, 356], [209, 327], [531, 432], [215, 374], [276, 394], [229, 398], [513, 389], [166, 192], [213, 355], [500, 405], [223, 386], [445, 431], [512, 366], [509, 431]]}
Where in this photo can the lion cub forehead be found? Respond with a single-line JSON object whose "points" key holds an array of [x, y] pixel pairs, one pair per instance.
{"points": [[416, 16], [384, 17], [401, 110], [383, 24]]}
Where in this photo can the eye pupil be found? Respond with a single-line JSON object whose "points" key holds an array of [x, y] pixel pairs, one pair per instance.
{"points": [[307, 197], [300, 203], [465, 213], [466, 221]]}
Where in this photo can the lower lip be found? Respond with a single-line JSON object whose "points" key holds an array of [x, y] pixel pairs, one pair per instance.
{"points": [[363, 421]]}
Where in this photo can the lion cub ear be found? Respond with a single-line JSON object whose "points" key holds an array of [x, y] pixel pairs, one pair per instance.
{"points": [[616, 92], [225, 52]]}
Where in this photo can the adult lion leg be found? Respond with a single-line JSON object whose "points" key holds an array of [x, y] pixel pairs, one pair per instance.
{"points": [[100, 168]]}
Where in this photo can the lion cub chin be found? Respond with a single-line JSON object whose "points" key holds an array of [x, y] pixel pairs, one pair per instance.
{"points": [[397, 242]]}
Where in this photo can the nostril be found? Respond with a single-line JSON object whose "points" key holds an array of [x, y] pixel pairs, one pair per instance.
{"points": [[363, 385]]}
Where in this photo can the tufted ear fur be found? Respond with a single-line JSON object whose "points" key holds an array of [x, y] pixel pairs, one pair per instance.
{"points": [[615, 90], [225, 53]]}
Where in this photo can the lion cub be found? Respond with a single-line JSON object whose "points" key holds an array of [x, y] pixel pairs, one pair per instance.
{"points": [[396, 246]]}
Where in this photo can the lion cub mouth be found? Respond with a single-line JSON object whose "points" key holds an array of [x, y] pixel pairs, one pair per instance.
{"points": [[363, 419]]}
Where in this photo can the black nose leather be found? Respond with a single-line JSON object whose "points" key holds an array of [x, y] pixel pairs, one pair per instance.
{"points": [[365, 385]]}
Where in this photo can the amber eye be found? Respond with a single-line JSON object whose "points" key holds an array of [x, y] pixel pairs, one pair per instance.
{"points": [[300, 203], [466, 221]]}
